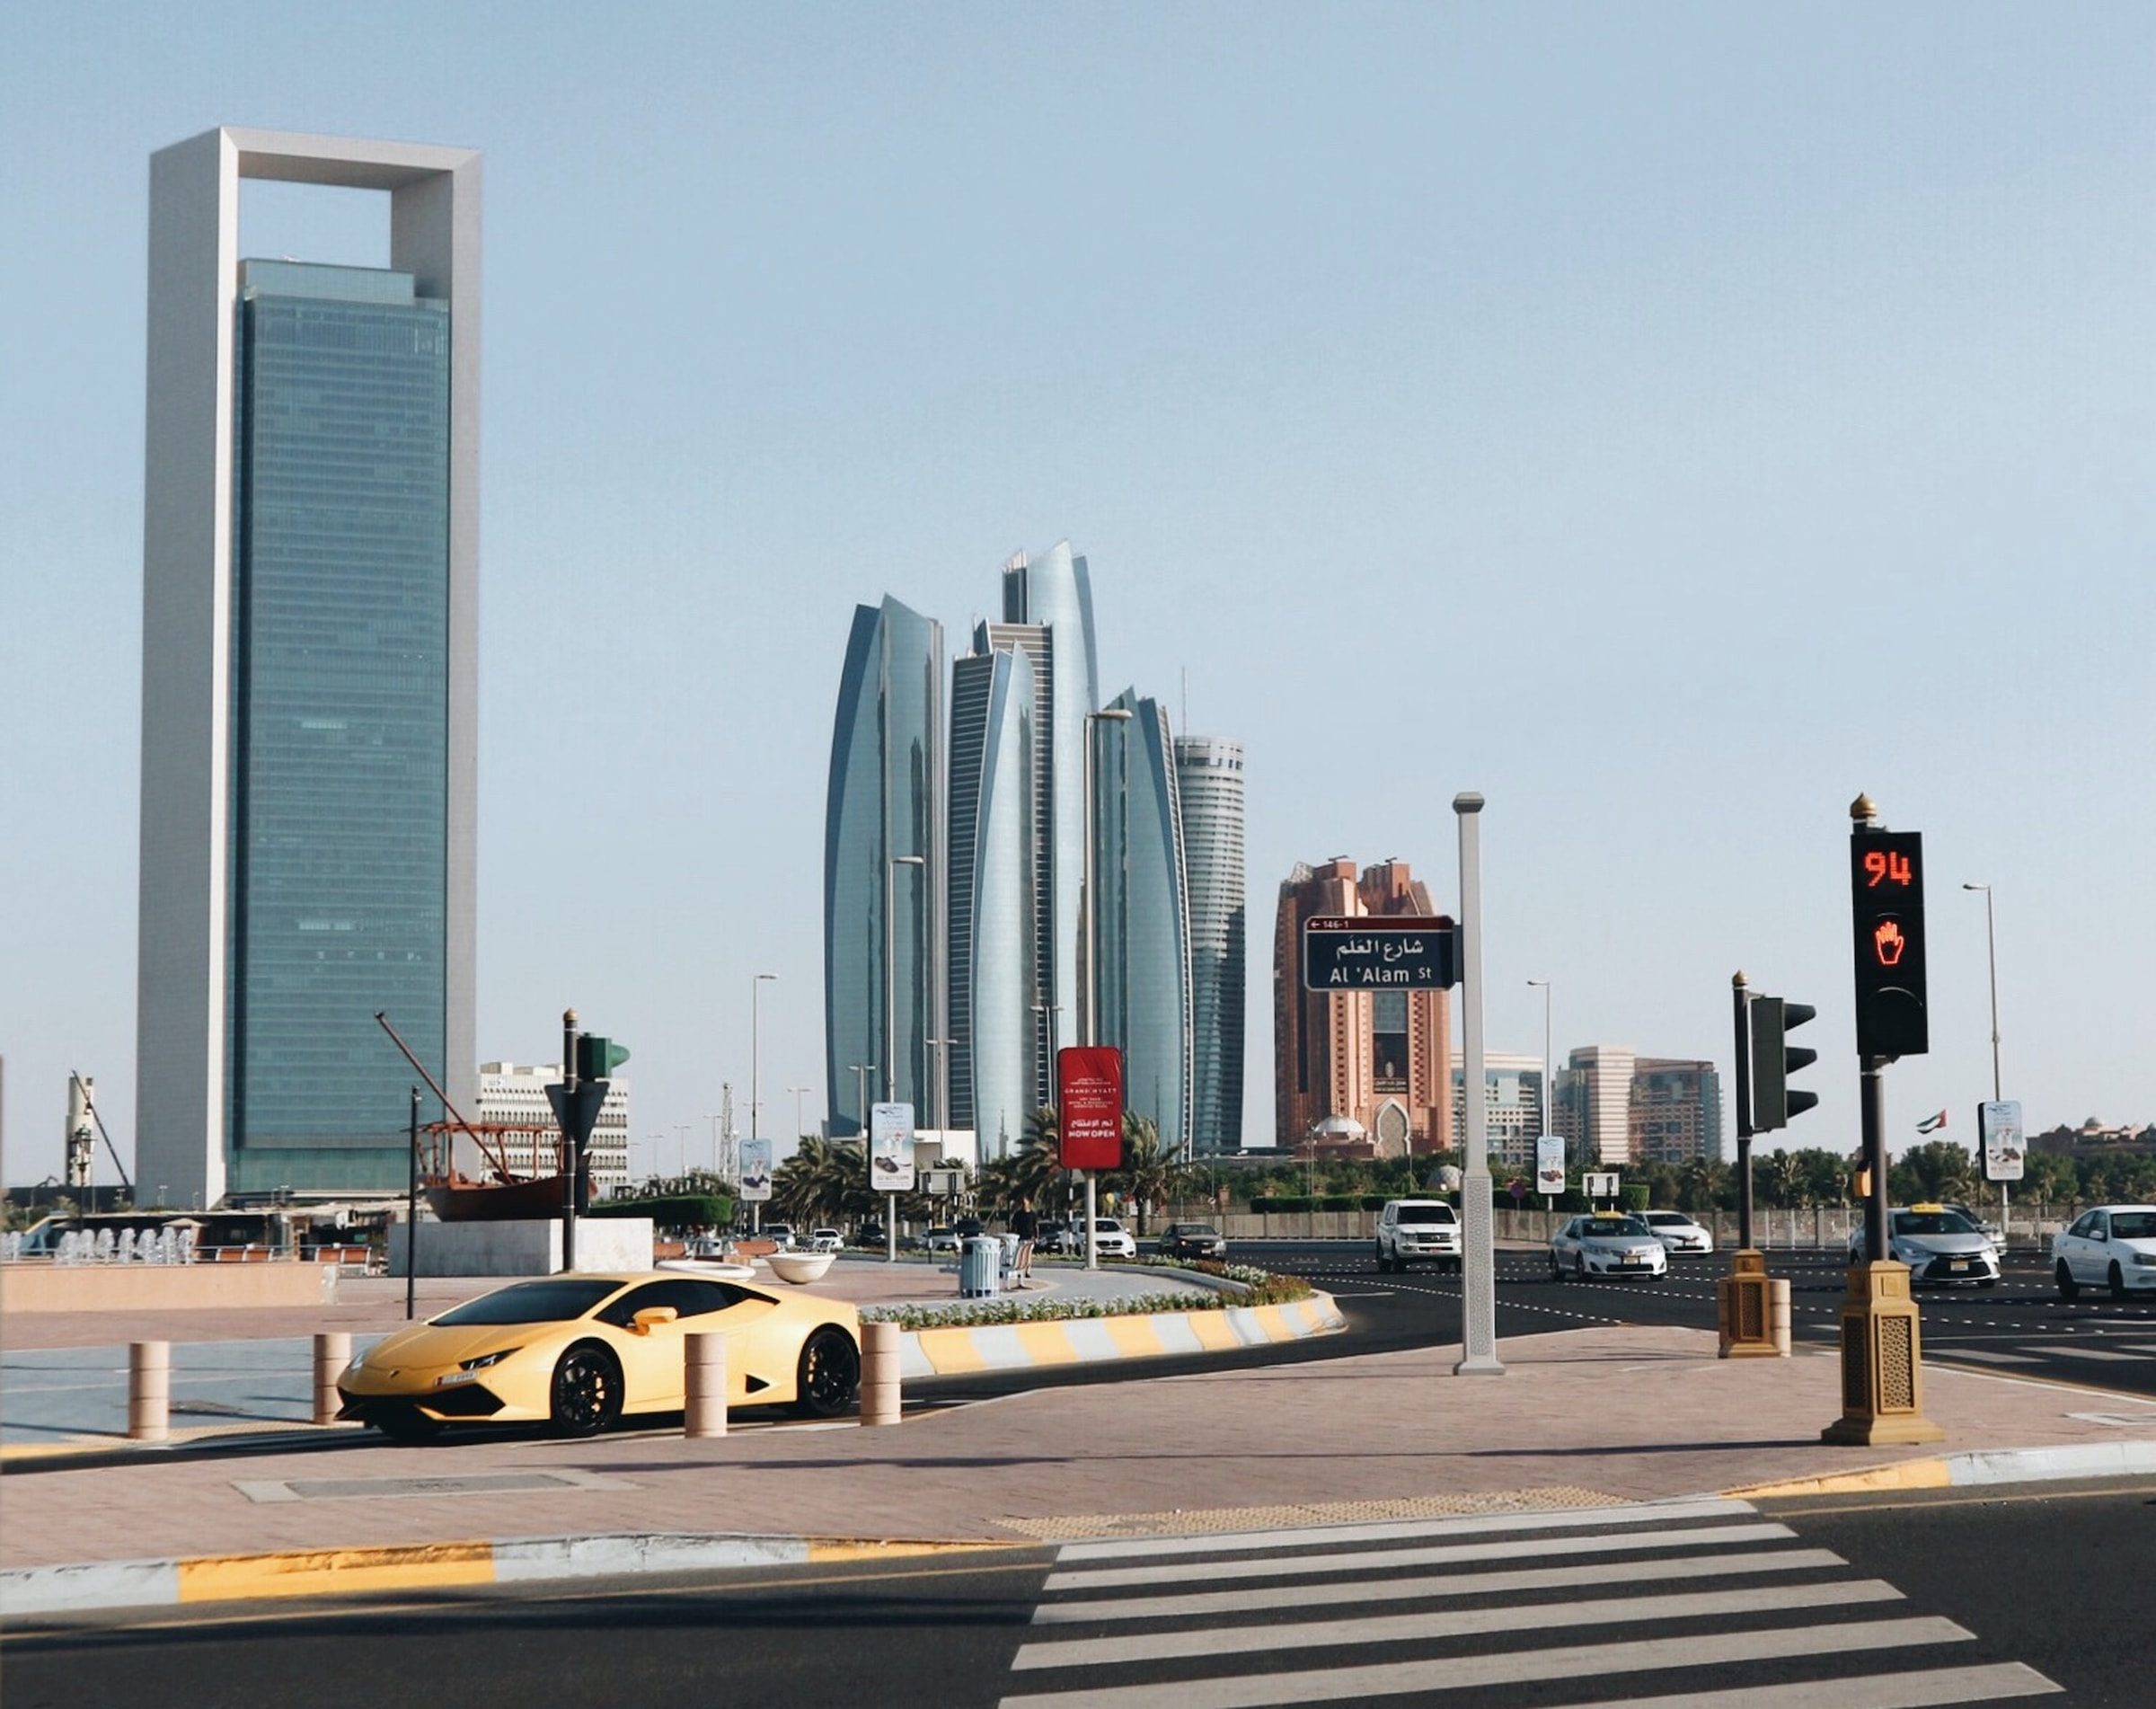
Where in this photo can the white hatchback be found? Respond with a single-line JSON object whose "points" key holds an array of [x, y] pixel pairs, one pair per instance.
{"points": [[1606, 1245], [2111, 1246]]}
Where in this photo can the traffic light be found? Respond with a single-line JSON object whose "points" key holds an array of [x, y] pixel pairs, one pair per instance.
{"points": [[1773, 1099], [1887, 891], [598, 1058]]}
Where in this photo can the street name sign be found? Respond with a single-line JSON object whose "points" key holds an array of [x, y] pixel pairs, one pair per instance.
{"points": [[1390, 953]]}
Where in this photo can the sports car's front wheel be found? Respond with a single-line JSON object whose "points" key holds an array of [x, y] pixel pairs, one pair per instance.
{"points": [[829, 1375], [587, 1396]]}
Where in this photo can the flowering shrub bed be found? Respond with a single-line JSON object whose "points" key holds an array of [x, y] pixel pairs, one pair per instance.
{"points": [[1265, 1289]]}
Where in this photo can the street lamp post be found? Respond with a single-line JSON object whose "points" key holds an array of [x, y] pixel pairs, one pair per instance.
{"points": [[798, 1093], [1088, 999], [1548, 1115], [1991, 950], [755, 1049], [891, 975]]}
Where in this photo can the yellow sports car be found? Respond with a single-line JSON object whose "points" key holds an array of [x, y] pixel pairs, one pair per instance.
{"points": [[578, 1351]]}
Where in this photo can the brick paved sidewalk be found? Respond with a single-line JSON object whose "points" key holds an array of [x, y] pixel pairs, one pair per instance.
{"points": [[1614, 1414]]}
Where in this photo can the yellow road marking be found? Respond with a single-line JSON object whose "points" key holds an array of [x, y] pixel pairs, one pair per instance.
{"points": [[232, 1577]]}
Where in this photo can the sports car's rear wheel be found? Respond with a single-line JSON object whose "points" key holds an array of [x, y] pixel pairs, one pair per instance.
{"points": [[587, 1392], [405, 1424], [829, 1375]]}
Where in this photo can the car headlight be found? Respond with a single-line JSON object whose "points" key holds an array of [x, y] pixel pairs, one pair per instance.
{"points": [[2145, 1258], [485, 1359]]}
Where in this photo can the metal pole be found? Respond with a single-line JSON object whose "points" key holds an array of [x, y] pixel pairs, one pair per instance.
{"points": [[412, 1216], [756, 1054], [1740, 1002], [1874, 1111], [891, 1000], [1478, 1263], [569, 1149], [1991, 950]]}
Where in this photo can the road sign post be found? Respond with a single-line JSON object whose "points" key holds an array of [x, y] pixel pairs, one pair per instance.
{"points": [[1882, 1362], [1478, 1214]]}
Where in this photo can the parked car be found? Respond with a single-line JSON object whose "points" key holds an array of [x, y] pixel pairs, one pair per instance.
{"points": [[1608, 1243], [1061, 1235], [781, 1232], [826, 1240], [1681, 1236], [1112, 1240], [1413, 1231], [966, 1227], [2112, 1247], [1938, 1244], [576, 1352], [1984, 1223], [1193, 1240], [873, 1234], [942, 1237]]}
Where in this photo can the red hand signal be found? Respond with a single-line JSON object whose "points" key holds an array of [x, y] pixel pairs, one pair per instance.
{"points": [[1888, 940]]}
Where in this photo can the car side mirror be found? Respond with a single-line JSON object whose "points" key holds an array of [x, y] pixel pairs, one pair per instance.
{"points": [[650, 1318]]}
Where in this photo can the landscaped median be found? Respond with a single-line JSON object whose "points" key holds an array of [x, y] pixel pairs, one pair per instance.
{"points": [[1246, 1309]]}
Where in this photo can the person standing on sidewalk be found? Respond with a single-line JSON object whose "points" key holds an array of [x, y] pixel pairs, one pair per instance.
{"points": [[1026, 1226]]}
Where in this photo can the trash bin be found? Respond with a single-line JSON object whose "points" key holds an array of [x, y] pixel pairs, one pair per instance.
{"points": [[980, 1266], [1010, 1257]]}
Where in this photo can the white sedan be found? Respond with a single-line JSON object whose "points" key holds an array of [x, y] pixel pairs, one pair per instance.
{"points": [[1606, 1245], [1680, 1235], [826, 1240], [2112, 1247]]}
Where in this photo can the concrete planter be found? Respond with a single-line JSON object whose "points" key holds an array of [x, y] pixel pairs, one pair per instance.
{"points": [[801, 1266]]}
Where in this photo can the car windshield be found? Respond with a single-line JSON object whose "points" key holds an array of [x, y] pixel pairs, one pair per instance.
{"points": [[2133, 1224], [1107, 1226], [1931, 1222], [1195, 1230], [531, 1302], [1425, 1213], [1612, 1227], [1666, 1220]]}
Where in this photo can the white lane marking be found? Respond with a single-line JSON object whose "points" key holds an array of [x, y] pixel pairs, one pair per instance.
{"points": [[1382, 1560], [1447, 1623], [2098, 1352], [1933, 1686], [1463, 1673], [1984, 1356], [1712, 1507], [1450, 1584]]}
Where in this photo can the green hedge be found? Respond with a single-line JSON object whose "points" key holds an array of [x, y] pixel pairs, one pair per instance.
{"points": [[678, 1210]]}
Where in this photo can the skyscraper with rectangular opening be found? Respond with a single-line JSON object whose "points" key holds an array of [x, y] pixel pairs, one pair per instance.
{"points": [[310, 569]]}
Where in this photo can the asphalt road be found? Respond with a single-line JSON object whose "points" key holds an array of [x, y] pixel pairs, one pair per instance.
{"points": [[1926, 1599]]}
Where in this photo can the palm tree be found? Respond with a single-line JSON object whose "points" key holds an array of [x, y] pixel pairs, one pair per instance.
{"points": [[1150, 1170], [1700, 1183]]}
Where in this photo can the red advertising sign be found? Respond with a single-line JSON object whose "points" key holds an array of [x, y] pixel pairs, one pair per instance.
{"points": [[1089, 1098]]}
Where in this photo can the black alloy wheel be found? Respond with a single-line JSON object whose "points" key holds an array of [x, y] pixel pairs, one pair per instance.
{"points": [[829, 1376], [2119, 1281], [2068, 1287], [587, 1392]]}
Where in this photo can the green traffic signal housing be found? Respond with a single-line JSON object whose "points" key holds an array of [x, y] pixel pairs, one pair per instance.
{"points": [[1774, 1060], [598, 1057]]}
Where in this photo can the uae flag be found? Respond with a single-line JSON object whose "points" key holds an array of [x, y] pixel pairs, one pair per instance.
{"points": [[1932, 1124]]}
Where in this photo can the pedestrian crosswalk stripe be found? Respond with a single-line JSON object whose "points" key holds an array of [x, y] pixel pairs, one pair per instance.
{"points": [[2097, 1353], [1458, 1673], [1432, 1584], [1387, 1560], [1919, 1690], [1451, 1622], [1391, 1530]]}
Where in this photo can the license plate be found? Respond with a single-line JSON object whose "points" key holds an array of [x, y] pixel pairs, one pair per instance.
{"points": [[1959, 1264], [1631, 1263], [449, 1379]]}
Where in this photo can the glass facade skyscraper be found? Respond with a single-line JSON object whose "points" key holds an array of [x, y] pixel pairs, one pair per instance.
{"points": [[340, 737], [1141, 918], [883, 871], [309, 673], [994, 1072], [1208, 781]]}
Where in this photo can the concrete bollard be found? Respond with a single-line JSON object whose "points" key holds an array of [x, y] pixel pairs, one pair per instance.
{"points": [[149, 1390], [1778, 1312], [705, 1371], [332, 1353], [880, 1401]]}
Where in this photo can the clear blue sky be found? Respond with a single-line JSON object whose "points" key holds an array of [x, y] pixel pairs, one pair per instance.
{"points": [[1667, 420]]}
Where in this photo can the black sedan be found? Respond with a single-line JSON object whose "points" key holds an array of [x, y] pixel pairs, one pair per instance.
{"points": [[1193, 1240]]}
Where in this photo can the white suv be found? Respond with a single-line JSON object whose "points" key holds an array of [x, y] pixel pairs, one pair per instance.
{"points": [[1111, 1238], [1417, 1230]]}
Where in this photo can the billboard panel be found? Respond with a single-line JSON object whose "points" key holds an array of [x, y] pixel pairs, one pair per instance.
{"points": [[891, 1148], [755, 1172], [1089, 1100]]}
